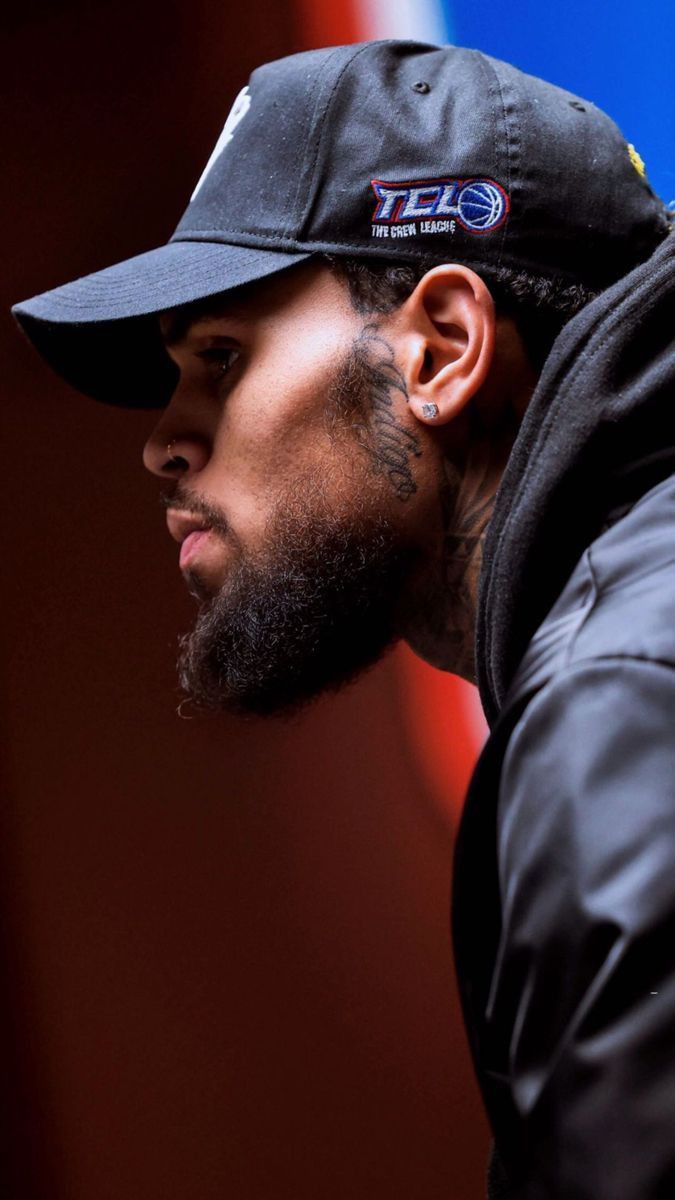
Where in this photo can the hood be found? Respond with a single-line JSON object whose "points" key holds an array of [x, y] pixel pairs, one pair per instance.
{"points": [[603, 409]]}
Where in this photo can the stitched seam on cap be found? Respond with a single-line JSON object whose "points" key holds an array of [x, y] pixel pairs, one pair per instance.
{"points": [[314, 245], [215, 236], [320, 139], [301, 173], [489, 67]]}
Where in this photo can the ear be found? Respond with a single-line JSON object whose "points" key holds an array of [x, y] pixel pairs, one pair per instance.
{"points": [[446, 341]]}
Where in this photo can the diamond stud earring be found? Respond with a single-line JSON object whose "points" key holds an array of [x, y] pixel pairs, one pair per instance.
{"points": [[430, 411]]}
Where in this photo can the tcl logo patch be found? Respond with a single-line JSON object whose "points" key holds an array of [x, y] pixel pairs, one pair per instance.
{"points": [[437, 205]]}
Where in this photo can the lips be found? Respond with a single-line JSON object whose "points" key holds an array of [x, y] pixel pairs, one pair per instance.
{"points": [[181, 524], [190, 546], [189, 530]]}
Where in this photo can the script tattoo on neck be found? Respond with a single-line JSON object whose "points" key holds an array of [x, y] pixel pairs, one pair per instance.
{"points": [[466, 508], [390, 445]]}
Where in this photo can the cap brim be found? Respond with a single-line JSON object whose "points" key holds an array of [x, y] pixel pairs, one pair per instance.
{"points": [[100, 332]]}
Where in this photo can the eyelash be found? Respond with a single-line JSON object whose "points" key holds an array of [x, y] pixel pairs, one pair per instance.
{"points": [[222, 358]]}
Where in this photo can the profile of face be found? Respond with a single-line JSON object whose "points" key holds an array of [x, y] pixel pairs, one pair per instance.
{"points": [[293, 478], [325, 480]]}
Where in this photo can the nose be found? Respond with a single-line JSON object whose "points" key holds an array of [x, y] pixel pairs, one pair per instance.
{"points": [[173, 454]]}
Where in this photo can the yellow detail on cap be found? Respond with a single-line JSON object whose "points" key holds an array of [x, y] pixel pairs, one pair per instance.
{"points": [[637, 161]]}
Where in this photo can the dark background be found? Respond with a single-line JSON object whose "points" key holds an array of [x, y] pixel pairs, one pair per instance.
{"points": [[226, 945]]}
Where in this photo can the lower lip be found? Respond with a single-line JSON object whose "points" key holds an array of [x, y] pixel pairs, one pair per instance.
{"points": [[191, 546]]}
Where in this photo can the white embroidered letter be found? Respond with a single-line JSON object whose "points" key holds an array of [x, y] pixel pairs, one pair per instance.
{"points": [[237, 113]]}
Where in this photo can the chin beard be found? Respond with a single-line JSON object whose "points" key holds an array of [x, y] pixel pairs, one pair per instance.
{"points": [[305, 616]]}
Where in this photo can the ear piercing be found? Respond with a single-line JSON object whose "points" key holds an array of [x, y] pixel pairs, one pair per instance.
{"points": [[429, 411]]}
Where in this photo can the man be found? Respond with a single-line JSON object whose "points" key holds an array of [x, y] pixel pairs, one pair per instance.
{"points": [[412, 341]]}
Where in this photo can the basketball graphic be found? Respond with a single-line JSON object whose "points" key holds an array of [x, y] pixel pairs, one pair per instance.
{"points": [[481, 205]]}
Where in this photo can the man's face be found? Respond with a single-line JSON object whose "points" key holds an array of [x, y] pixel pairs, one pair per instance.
{"points": [[293, 472]]}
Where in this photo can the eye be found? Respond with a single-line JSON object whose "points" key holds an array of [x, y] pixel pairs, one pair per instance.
{"points": [[219, 359]]}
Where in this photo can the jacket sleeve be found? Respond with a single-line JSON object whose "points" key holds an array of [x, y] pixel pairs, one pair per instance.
{"points": [[583, 990]]}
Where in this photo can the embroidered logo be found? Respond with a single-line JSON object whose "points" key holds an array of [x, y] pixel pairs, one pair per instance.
{"points": [[237, 113], [438, 206], [637, 160]]}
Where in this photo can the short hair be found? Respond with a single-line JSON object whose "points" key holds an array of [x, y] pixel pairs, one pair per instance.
{"points": [[540, 306]]}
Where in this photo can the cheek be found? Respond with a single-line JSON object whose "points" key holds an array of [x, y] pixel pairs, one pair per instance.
{"points": [[273, 433]]}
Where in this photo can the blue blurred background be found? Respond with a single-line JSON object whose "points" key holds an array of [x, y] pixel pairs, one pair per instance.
{"points": [[618, 55]]}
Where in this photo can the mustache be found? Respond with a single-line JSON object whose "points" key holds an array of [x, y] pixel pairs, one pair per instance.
{"points": [[183, 500]]}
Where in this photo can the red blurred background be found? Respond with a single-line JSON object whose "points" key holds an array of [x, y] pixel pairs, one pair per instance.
{"points": [[226, 944]]}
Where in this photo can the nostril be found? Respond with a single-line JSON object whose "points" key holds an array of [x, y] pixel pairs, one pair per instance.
{"points": [[176, 463], [182, 455]]}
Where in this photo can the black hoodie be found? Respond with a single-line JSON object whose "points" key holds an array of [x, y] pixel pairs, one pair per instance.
{"points": [[564, 888], [606, 398]]}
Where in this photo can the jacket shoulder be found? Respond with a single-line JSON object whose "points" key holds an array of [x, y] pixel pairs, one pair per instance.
{"points": [[619, 600]]}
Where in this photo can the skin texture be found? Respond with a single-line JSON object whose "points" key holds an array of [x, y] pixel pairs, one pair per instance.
{"points": [[297, 419]]}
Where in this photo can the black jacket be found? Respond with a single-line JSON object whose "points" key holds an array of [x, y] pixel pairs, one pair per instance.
{"points": [[564, 881]]}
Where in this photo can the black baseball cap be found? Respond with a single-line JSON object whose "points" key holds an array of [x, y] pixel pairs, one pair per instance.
{"points": [[388, 149]]}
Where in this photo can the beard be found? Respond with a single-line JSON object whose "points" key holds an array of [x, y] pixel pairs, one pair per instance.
{"points": [[316, 606], [305, 617]]}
